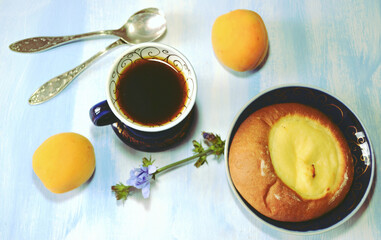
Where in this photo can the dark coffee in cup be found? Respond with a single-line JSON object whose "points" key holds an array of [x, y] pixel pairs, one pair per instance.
{"points": [[151, 91]]}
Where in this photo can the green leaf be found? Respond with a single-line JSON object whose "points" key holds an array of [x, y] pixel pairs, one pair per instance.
{"points": [[200, 162], [198, 148], [121, 191], [147, 162]]}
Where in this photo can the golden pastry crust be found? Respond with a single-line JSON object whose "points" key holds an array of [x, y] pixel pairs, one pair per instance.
{"points": [[254, 177]]}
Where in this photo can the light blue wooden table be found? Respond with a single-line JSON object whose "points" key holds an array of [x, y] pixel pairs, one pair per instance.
{"points": [[333, 45]]}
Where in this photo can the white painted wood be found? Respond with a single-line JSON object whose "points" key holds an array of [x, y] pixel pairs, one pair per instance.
{"points": [[334, 45]]}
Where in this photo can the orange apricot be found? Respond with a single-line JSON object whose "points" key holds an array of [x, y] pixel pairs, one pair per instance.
{"points": [[64, 162], [239, 40]]}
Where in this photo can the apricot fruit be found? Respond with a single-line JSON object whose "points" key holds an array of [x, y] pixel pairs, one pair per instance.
{"points": [[64, 161], [239, 40]]}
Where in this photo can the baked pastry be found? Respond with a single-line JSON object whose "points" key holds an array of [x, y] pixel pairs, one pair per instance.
{"points": [[290, 162]]}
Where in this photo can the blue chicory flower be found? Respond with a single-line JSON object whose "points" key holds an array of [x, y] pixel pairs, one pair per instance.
{"points": [[140, 178]]}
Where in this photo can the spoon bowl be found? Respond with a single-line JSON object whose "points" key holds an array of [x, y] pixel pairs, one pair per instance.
{"points": [[154, 26]]}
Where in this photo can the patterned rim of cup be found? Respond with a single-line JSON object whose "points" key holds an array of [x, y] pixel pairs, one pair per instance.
{"points": [[165, 53]]}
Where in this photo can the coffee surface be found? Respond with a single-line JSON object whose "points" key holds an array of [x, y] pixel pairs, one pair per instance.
{"points": [[151, 92]]}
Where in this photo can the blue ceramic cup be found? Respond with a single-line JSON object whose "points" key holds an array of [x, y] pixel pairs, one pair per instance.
{"points": [[139, 135]]}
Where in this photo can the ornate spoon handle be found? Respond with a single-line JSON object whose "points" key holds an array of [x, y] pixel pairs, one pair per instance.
{"points": [[37, 44], [55, 85]]}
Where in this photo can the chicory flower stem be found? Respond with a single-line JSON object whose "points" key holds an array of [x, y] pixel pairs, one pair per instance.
{"points": [[204, 153], [140, 177]]}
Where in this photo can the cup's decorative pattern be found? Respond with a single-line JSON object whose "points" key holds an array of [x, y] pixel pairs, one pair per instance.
{"points": [[163, 53]]}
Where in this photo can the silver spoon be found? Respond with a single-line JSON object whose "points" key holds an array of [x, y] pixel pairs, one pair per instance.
{"points": [[127, 32], [143, 26]]}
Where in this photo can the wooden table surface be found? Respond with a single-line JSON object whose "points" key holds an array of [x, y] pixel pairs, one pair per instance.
{"points": [[332, 45]]}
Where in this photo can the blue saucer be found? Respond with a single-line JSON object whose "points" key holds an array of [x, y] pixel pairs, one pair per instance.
{"points": [[153, 141]]}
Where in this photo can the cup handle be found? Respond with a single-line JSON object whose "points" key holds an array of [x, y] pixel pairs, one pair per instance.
{"points": [[101, 114]]}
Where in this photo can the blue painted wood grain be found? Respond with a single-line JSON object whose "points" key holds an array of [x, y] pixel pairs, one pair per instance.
{"points": [[334, 45]]}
